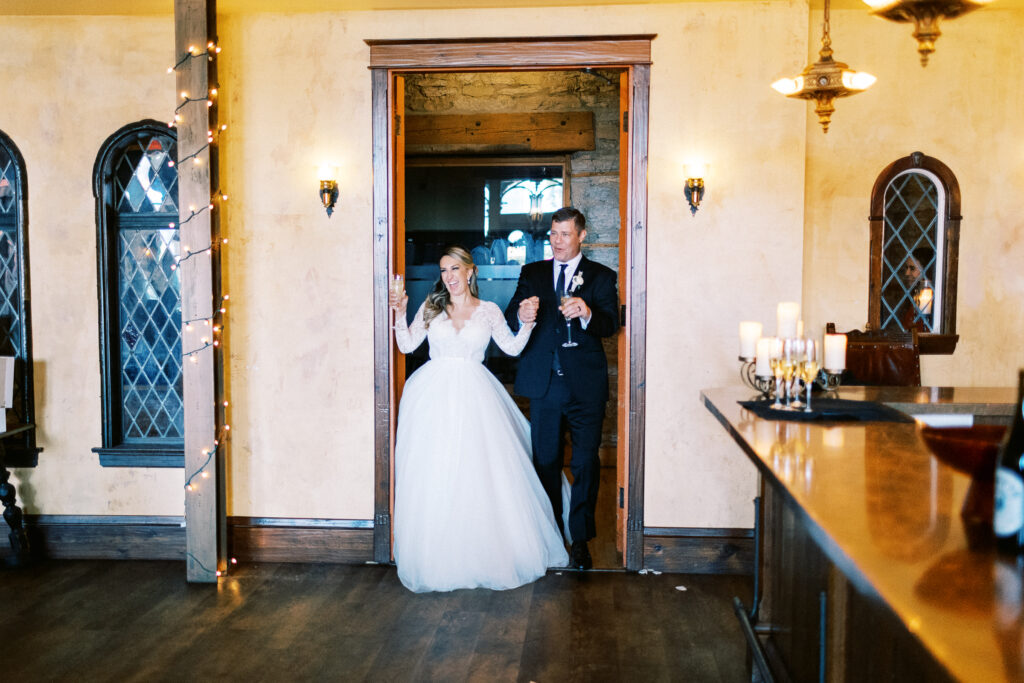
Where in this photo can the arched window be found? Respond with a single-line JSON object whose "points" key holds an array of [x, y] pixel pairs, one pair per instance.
{"points": [[15, 333], [135, 182], [915, 237]]}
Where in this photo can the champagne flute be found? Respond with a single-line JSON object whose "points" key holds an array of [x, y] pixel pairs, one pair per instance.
{"points": [[775, 363], [568, 343], [797, 349], [787, 362], [809, 369], [397, 288]]}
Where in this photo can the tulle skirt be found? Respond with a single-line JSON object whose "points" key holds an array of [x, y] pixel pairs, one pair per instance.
{"points": [[469, 509]]}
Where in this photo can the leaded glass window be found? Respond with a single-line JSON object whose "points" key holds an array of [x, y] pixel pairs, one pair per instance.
{"points": [[914, 253], [912, 241], [141, 295], [14, 313]]}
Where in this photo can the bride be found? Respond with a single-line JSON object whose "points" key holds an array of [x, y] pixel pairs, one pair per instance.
{"points": [[469, 509]]}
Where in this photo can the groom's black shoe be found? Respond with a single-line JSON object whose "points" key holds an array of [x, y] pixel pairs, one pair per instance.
{"points": [[579, 556]]}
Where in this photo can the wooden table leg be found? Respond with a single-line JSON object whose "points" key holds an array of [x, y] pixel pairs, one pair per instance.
{"points": [[13, 517]]}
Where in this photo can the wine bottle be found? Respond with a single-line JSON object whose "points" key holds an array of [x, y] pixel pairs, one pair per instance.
{"points": [[1008, 517]]}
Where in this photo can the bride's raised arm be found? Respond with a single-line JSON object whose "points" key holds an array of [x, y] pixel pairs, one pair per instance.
{"points": [[407, 336], [511, 344]]}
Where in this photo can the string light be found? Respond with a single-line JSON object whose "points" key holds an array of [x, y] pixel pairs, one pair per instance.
{"points": [[192, 482], [212, 50]]}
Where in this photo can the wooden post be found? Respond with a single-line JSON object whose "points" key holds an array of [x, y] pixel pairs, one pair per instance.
{"points": [[205, 537]]}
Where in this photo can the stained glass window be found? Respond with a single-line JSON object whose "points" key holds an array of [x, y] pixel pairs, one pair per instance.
{"points": [[142, 293]]}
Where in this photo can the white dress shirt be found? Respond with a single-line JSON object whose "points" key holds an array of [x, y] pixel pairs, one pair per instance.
{"points": [[570, 270]]}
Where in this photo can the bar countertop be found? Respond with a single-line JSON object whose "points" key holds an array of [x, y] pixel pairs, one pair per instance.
{"points": [[887, 513]]}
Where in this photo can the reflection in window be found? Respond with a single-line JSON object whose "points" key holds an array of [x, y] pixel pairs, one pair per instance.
{"points": [[911, 242], [531, 197]]}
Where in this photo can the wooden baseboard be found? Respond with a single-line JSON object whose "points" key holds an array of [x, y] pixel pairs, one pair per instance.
{"points": [[277, 539], [103, 537], [699, 550], [250, 539]]}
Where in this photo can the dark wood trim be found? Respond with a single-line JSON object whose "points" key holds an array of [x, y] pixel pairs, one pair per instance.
{"points": [[507, 55], [105, 537], [699, 550], [944, 343], [150, 537], [504, 53], [19, 456], [381, 84], [637, 313], [262, 539], [141, 456]]}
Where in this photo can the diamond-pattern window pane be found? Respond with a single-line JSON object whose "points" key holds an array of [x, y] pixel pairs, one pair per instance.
{"points": [[909, 253], [145, 176], [149, 297], [11, 327]]}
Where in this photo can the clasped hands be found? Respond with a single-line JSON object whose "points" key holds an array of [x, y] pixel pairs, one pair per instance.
{"points": [[574, 307]]}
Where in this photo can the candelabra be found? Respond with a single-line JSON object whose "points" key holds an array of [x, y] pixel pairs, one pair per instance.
{"points": [[828, 380]]}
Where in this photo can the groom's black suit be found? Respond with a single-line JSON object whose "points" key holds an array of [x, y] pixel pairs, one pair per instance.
{"points": [[578, 395]]}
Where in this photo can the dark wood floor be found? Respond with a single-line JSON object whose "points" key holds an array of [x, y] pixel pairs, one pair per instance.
{"points": [[140, 621]]}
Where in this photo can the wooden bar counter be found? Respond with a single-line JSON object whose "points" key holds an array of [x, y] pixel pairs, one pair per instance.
{"points": [[867, 572]]}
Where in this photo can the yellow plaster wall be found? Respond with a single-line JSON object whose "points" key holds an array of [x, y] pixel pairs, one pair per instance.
{"points": [[964, 108], [296, 92], [67, 84]]}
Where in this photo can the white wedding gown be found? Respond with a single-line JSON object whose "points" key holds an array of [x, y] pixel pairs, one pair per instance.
{"points": [[469, 509]]}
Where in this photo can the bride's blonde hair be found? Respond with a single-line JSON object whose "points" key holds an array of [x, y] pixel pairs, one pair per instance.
{"points": [[438, 299]]}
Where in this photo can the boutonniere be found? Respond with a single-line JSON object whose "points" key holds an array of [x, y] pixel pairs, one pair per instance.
{"points": [[576, 282]]}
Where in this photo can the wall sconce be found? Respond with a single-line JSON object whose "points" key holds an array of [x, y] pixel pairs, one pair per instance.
{"points": [[328, 187], [694, 190]]}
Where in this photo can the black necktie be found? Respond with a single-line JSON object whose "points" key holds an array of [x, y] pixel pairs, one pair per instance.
{"points": [[559, 292], [560, 283]]}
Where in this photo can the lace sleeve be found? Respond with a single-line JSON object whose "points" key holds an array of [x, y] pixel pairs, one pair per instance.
{"points": [[407, 336], [502, 335]]}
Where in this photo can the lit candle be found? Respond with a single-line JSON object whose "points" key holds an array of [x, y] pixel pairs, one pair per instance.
{"points": [[763, 366], [835, 352], [750, 332], [787, 314]]}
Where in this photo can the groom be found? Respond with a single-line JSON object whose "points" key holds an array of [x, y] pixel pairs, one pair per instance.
{"points": [[567, 386]]}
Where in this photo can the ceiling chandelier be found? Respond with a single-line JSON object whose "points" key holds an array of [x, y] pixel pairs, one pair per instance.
{"points": [[926, 15], [825, 80]]}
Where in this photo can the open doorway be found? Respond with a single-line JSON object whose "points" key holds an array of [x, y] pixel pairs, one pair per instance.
{"points": [[558, 133], [620, 66]]}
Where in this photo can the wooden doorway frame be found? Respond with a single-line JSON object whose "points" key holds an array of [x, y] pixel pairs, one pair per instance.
{"points": [[390, 58]]}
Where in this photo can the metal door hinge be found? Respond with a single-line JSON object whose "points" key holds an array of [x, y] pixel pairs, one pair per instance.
{"points": [[622, 497], [625, 122]]}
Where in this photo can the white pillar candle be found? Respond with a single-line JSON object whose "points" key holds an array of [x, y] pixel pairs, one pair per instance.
{"points": [[750, 332], [835, 352], [787, 314], [763, 367]]}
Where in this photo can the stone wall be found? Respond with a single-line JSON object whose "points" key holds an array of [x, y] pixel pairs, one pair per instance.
{"points": [[594, 174]]}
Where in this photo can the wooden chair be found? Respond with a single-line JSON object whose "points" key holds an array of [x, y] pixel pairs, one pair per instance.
{"points": [[878, 358]]}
